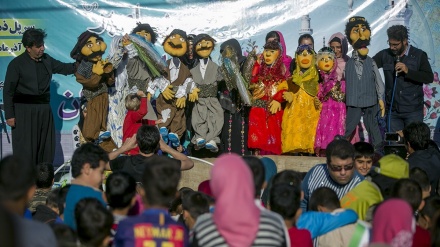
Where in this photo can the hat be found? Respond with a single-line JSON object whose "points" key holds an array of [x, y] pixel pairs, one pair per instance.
{"points": [[179, 32], [393, 166], [202, 36], [82, 40]]}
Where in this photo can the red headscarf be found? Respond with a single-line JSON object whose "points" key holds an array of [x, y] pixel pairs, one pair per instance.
{"points": [[236, 215]]}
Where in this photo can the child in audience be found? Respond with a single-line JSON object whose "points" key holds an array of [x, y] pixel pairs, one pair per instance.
{"points": [[363, 159], [421, 177], [326, 200], [285, 200], [410, 191], [49, 213], [426, 215], [45, 178], [88, 162], [94, 223], [194, 204], [121, 195]]}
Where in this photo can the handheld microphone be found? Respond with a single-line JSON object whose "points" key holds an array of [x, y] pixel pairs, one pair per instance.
{"points": [[397, 60]]}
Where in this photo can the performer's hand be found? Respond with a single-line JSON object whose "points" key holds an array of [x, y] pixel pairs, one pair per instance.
{"points": [[10, 122], [159, 121], [126, 40], [98, 68], [382, 108], [317, 103], [401, 67], [180, 103], [168, 93], [258, 93], [194, 95], [274, 106], [288, 96]]}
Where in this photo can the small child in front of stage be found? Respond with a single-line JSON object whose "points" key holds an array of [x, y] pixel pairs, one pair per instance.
{"points": [[136, 104], [121, 196]]}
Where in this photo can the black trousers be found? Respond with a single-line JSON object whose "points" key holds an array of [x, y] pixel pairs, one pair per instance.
{"points": [[33, 138], [354, 115]]}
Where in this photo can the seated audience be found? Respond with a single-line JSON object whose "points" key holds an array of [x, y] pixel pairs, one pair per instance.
{"points": [[45, 179], [427, 214], [49, 213], [285, 199], [338, 174], [363, 157], [94, 223], [421, 153], [236, 220], [420, 176], [194, 204], [159, 183]]}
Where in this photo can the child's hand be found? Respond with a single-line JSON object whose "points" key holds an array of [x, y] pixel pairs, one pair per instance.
{"points": [[159, 121], [179, 148], [140, 93]]}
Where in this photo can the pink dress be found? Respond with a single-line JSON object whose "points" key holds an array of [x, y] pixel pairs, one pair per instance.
{"points": [[333, 112]]}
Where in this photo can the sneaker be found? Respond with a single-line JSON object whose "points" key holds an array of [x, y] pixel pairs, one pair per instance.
{"points": [[212, 146], [174, 138], [200, 142], [164, 133], [104, 135]]}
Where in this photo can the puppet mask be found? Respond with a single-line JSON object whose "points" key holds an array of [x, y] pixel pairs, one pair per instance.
{"points": [[360, 37], [305, 59], [270, 55], [204, 48], [144, 34], [175, 45], [325, 59], [93, 49]]}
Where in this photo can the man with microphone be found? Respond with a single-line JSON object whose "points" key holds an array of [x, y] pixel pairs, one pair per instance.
{"points": [[406, 68]]}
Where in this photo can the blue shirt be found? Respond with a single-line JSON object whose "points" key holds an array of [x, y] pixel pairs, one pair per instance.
{"points": [[74, 195]]}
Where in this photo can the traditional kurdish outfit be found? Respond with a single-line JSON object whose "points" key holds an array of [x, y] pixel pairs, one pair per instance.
{"points": [[264, 127], [301, 115], [332, 120]]}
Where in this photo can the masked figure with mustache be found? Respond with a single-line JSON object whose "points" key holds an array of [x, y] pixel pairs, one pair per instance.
{"points": [[207, 114], [95, 74], [364, 85], [174, 89]]}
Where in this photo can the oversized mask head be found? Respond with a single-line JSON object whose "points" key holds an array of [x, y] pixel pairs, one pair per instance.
{"points": [[272, 51], [176, 44], [305, 56], [358, 32], [204, 45], [90, 46], [325, 59]]}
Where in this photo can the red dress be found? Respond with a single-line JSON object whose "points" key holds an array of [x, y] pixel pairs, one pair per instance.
{"points": [[264, 127]]}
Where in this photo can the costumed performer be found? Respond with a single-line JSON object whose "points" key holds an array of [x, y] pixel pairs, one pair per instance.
{"points": [[236, 112], [303, 107], [331, 93], [364, 85], [268, 84], [95, 75], [170, 104], [278, 36], [207, 114]]}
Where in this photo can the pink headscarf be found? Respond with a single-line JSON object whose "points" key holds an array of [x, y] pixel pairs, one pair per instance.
{"points": [[286, 59], [344, 49], [236, 215], [393, 223]]}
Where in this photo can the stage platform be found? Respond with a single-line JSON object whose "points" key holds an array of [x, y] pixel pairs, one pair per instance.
{"points": [[201, 170]]}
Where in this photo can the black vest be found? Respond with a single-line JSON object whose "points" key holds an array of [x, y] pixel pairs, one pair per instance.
{"points": [[408, 96]]}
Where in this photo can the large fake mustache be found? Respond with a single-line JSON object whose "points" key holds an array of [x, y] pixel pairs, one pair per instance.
{"points": [[95, 54], [361, 43], [175, 46], [207, 48]]}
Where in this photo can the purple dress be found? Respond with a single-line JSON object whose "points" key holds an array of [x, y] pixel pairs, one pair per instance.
{"points": [[332, 119]]}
